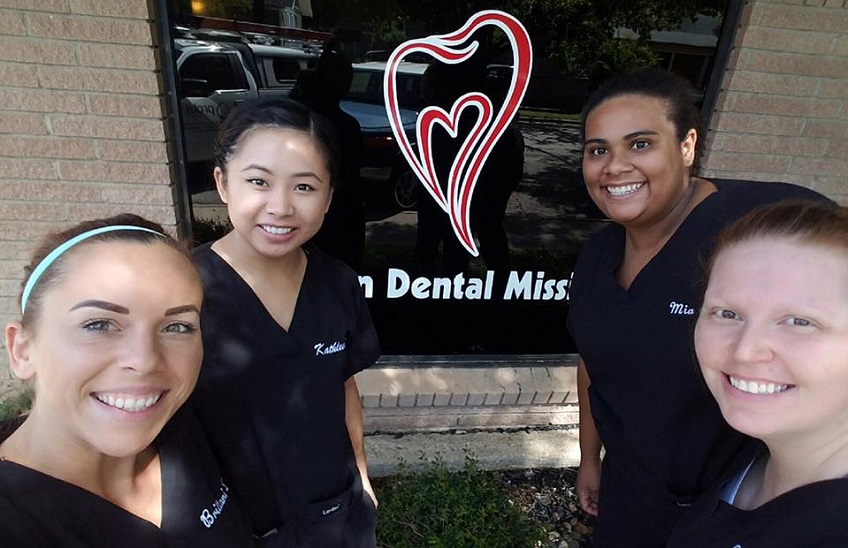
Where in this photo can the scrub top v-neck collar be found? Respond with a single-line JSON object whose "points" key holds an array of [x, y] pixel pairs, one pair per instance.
{"points": [[241, 285]]}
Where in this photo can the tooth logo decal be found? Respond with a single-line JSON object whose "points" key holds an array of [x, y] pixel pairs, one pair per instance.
{"points": [[488, 126]]}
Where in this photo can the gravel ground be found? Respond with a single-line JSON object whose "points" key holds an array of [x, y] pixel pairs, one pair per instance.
{"points": [[548, 497]]}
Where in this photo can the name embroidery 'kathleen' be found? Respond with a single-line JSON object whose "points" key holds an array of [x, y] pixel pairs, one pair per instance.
{"points": [[322, 349]]}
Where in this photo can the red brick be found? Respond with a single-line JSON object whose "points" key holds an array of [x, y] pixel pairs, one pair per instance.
{"points": [[18, 251], [758, 103], [117, 172], [759, 124], [49, 191], [12, 23], [41, 100], [31, 50], [802, 18], [841, 46], [790, 63], [89, 29], [118, 56], [11, 270], [763, 163], [838, 150], [99, 80], [58, 6], [106, 127], [819, 167], [817, 3], [796, 41], [112, 8], [22, 123], [46, 147], [769, 144], [18, 75], [28, 230], [20, 168], [164, 215], [826, 129], [774, 84], [132, 151], [835, 4], [23, 211], [148, 195], [126, 106], [833, 89]]}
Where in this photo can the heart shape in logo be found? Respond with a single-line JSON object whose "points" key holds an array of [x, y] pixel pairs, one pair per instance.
{"points": [[488, 126]]}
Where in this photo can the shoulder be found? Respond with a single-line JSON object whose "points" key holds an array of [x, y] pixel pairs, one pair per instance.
{"points": [[743, 194], [330, 270]]}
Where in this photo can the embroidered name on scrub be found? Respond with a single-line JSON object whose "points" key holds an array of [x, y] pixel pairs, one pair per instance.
{"points": [[208, 516], [680, 308], [322, 349]]}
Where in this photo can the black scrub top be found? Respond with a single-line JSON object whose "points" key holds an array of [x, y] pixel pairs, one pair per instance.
{"points": [[273, 401], [198, 508], [665, 439], [811, 516]]}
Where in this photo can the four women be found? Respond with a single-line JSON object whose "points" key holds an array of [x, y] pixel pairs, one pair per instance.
{"points": [[114, 355]]}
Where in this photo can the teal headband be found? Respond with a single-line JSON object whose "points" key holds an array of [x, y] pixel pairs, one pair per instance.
{"points": [[56, 253]]}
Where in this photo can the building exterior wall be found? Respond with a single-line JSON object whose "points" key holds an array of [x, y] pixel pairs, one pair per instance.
{"points": [[783, 111], [81, 124]]}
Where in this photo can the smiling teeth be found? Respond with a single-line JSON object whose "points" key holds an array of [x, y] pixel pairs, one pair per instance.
{"points": [[624, 189], [276, 230], [133, 405], [752, 387]]}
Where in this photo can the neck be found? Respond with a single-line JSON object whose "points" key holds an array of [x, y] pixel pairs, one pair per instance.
{"points": [[650, 238], [794, 462], [40, 446], [252, 265]]}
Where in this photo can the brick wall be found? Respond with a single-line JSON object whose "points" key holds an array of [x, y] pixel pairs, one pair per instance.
{"points": [[783, 111], [81, 130]]}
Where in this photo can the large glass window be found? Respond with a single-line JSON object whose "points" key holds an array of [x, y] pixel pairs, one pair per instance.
{"points": [[529, 211]]}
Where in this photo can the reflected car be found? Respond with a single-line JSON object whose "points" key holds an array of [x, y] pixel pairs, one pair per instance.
{"points": [[384, 169]]}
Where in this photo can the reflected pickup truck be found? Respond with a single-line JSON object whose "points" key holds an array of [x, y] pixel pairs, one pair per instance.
{"points": [[214, 77]]}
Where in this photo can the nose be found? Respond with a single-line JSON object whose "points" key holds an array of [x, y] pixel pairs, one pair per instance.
{"points": [[617, 163], [142, 352], [280, 202], [753, 344]]}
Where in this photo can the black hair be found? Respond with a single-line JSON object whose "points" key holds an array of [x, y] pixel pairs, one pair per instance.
{"points": [[281, 114], [674, 90]]}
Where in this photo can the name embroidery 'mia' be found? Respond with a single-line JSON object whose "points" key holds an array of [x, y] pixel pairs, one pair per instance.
{"points": [[322, 349], [207, 516], [680, 308]]}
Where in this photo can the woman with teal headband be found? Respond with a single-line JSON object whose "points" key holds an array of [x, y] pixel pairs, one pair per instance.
{"points": [[108, 456]]}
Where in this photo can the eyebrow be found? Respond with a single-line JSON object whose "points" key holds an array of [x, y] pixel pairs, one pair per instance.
{"points": [[311, 174], [118, 309], [105, 305], [182, 309], [627, 137]]}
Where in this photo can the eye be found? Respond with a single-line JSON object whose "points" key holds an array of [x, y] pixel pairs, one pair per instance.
{"points": [[725, 314], [98, 325], [304, 187], [597, 151], [179, 327], [797, 322], [639, 145], [258, 182]]}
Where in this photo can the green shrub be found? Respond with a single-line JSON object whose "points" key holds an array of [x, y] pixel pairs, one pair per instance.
{"points": [[16, 404], [209, 230], [439, 508]]}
